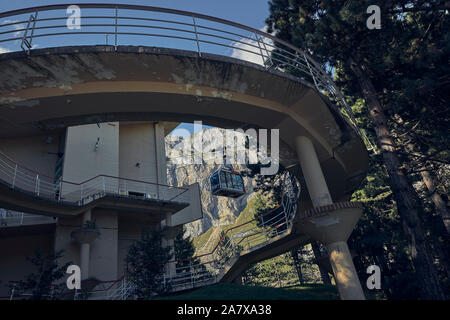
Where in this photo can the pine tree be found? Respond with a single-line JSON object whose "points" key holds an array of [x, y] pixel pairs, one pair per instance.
{"points": [[372, 64], [146, 261]]}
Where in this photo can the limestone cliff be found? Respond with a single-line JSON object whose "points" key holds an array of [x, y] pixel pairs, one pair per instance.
{"points": [[216, 210]]}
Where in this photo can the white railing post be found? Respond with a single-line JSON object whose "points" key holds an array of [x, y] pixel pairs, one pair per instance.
{"points": [[81, 193], [12, 292], [103, 182], [21, 219], [196, 37], [260, 49], [191, 271], [311, 72], [123, 289], [287, 219], [36, 189], [14, 178], [115, 29], [164, 280], [60, 190]]}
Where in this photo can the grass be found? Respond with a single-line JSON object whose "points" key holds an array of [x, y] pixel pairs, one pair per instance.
{"points": [[229, 291], [245, 215], [201, 240]]}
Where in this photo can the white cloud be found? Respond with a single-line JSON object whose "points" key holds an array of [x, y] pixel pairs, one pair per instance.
{"points": [[4, 50], [255, 49], [16, 26]]}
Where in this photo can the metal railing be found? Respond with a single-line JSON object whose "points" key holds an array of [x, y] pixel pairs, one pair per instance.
{"points": [[9, 218], [161, 27], [209, 268], [29, 181], [119, 289]]}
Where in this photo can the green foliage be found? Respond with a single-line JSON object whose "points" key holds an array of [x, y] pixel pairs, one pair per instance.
{"points": [[407, 61], [184, 249], [184, 254], [280, 271], [379, 237], [146, 261], [41, 285], [227, 248]]}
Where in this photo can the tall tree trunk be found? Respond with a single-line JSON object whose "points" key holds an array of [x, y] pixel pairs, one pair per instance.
{"points": [[408, 202], [297, 264], [436, 198], [440, 252], [323, 272]]}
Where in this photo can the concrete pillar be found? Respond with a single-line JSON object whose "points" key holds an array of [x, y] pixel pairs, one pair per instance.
{"points": [[312, 172], [85, 250], [171, 266], [344, 271], [332, 230]]}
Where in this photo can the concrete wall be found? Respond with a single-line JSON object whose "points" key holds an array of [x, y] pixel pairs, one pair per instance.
{"points": [[83, 161], [137, 158], [33, 152], [103, 250], [120, 148], [161, 153], [13, 263], [192, 212], [64, 242]]}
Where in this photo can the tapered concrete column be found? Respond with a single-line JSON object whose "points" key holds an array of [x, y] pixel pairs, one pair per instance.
{"points": [[312, 172], [344, 271], [333, 229], [85, 250]]}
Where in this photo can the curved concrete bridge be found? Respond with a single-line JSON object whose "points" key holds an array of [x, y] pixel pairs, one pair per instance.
{"points": [[44, 91]]}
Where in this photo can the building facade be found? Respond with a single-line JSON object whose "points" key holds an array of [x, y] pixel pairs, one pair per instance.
{"points": [[93, 157]]}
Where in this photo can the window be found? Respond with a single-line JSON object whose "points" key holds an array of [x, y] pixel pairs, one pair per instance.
{"points": [[229, 180], [215, 182], [239, 182], [223, 179], [236, 182]]}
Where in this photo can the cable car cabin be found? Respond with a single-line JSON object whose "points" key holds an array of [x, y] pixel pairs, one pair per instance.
{"points": [[227, 183]]}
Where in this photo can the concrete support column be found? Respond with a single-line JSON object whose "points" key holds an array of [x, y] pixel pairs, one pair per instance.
{"points": [[344, 271], [85, 250], [332, 230], [312, 172], [171, 266]]}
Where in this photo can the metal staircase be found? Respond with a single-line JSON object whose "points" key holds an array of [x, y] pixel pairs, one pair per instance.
{"points": [[238, 241], [234, 244]]}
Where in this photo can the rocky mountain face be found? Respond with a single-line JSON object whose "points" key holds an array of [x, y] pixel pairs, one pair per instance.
{"points": [[216, 210]]}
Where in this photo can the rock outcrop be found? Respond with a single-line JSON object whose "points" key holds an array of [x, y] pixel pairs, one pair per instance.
{"points": [[216, 210]]}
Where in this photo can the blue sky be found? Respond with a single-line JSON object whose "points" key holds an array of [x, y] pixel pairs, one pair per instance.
{"points": [[248, 12]]}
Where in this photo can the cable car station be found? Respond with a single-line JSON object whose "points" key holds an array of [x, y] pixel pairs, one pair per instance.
{"points": [[82, 132]]}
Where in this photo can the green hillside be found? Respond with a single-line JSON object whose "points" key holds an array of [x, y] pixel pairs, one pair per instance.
{"points": [[206, 241]]}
